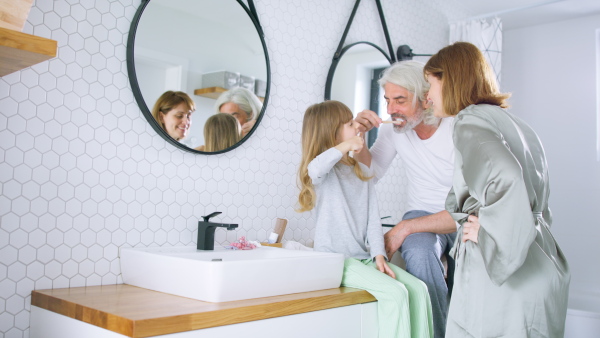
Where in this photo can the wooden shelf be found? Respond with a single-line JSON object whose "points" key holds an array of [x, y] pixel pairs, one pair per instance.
{"points": [[210, 92], [214, 92], [19, 50]]}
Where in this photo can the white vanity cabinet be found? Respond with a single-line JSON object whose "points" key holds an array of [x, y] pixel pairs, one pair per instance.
{"points": [[112, 313], [353, 321]]}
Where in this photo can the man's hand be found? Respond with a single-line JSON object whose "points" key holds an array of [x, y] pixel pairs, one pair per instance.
{"points": [[394, 238], [367, 119], [383, 266]]}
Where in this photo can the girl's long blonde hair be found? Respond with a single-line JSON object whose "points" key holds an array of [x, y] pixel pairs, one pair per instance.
{"points": [[322, 122], [221, 131]]}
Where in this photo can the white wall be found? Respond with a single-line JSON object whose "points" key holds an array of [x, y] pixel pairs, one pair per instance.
{"points": [[82, 173], [551, 71]]}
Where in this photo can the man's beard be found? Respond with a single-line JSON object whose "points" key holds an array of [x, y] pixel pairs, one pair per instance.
{"points": [[409, 124]]}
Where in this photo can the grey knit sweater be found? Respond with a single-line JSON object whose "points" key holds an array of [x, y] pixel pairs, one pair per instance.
{"points": [[346, 209]]}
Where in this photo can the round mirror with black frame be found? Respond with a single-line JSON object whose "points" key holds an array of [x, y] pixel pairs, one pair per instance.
{"points": [[352, 80], [196, 52]]}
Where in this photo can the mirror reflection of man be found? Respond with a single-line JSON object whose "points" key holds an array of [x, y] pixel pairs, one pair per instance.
{"points": [[424, 145], [242, 104]]}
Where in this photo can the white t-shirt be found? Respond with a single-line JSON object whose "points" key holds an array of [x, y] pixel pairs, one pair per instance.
{"points": [[429, 163]]}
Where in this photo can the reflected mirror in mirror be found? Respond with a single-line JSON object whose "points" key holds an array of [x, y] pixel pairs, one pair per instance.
{"points": [[199, 50], [355, 81]]}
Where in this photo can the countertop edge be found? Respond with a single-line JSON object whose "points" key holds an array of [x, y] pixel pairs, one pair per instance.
{"points": [[83, 313], [259, 309], [196, 321]]}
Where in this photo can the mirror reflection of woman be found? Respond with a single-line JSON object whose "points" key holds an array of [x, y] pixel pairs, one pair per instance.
{"points": [[173, 112], [242, 104], [221, 131]]}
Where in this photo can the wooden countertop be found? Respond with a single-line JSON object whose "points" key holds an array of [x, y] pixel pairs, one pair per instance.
{"points": [[137, 312]]}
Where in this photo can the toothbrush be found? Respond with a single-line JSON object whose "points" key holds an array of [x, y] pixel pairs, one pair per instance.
{"points": [[393, 122]]}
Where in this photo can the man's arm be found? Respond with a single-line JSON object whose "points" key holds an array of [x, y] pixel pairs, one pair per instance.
{"points": [[381, 155], [438, 223], [366, 120]]}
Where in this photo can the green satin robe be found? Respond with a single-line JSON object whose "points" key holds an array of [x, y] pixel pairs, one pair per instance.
{"points": [[514, 282]]}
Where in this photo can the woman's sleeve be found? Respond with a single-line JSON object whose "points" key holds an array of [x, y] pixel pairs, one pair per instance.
{"points": [[321, 165], [495, 178]]}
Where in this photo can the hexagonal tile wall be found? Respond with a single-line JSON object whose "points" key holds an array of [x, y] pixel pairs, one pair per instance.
{"points": [[82, 174]]}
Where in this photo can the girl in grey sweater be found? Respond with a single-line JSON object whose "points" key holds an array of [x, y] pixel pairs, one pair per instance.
{"points": [[347, 220]]}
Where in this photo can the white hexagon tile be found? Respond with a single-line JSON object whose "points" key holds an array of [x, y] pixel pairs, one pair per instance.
{"points": [[83, 174]]}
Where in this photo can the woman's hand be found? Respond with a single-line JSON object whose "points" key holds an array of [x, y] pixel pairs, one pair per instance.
{"points": [[471, 229], [383, 266]]}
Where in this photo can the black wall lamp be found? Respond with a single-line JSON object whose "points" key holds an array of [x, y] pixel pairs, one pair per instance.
{"points": [[404, 53]]}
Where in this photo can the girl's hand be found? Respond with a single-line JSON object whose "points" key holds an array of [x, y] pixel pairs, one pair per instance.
{"points": [[355, 144], [383, 266], [471, 229]]}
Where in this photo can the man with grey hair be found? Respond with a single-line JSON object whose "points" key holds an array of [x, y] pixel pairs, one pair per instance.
{"points": [[424, 145], [242, 104]]}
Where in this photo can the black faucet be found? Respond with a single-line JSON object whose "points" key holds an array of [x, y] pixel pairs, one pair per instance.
{"points": [[206, 232]]}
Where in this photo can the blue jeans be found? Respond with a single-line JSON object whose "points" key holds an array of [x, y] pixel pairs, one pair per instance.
{"points": [[422, 253]]}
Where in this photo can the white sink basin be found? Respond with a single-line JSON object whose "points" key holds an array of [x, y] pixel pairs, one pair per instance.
{"points": [[226, 275]]}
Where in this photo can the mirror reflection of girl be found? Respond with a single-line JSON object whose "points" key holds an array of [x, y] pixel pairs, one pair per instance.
{"points": [[173, 112], [347, 217], [221, 131], [242, 104]]}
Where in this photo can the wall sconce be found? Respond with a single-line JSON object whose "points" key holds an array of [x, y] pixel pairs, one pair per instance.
{"points": [[404, 53]]}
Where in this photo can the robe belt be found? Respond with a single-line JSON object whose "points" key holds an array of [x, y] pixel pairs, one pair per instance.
{"points": [[539, 219], [454, 251]]}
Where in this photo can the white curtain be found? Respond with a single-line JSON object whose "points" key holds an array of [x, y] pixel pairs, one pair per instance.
{"points": [[486, 34]]}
